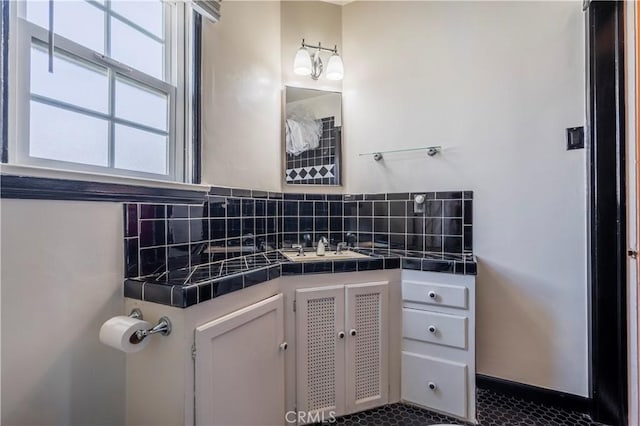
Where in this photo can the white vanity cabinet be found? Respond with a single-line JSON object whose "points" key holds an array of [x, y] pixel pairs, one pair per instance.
{"points": [[438, 344], [355, 341], [222, 364], [239, 363], [341, 349]]}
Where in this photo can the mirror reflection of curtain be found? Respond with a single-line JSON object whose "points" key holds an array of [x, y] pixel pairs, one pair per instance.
{"points": [[312, 137], [302, 134]]}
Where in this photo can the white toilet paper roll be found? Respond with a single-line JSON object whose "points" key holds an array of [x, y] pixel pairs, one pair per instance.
{"points": [[120, 333]]}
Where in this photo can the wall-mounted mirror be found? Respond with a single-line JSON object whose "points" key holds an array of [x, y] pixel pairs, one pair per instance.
{"points": [[313, 136]]}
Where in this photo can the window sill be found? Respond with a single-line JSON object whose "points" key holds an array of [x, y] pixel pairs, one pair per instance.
{"points": [[29, 182]]}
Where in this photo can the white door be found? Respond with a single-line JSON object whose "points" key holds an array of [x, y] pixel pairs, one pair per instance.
{"points": [[320, 338], [239, 367], [367, 364]]}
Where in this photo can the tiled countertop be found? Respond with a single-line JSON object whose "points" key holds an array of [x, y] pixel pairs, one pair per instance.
{"points": [[188, 286]]}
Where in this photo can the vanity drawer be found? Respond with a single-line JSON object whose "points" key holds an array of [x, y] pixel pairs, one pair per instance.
{"points": [[435, 294], [433, 327], [434, 383]]}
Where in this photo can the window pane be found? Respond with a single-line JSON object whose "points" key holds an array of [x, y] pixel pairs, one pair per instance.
{"points": [[76, 20], [133, 48], [70, 81], [58, 134], [141, 105], [141, 151], [147, 14]]}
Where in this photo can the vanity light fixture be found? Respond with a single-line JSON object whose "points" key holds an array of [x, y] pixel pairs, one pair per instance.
{"points": [[305, 64]]}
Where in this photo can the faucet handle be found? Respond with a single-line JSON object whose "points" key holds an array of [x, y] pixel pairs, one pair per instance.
{"points": [[341, 246], [351, 239]]}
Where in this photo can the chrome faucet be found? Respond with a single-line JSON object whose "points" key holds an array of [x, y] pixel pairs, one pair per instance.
{"points": [[300, 249]]}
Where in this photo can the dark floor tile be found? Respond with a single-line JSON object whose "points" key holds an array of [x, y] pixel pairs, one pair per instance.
{"points": [[493, 410]]}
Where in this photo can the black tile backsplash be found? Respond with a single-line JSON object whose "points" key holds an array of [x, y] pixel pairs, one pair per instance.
{"points": [[177, 212], [152, 260], [131, 250], [178, 257], [237, 222], [131, 220], [153, 211], [152, 233]]}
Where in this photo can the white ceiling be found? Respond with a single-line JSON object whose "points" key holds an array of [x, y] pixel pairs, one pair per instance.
{"points": [[339, 2]]}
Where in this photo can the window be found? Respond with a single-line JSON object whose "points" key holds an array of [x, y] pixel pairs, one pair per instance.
{"points": [[115, 101]]}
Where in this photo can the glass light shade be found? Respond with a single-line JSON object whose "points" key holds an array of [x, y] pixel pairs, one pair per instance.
{"points": [[335, 69], [302, 62]]}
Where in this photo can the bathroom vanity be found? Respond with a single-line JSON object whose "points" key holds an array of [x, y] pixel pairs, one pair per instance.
{"points": [[272, 337], [321, 344]]}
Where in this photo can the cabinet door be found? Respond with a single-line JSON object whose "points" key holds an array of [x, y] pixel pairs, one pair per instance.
{"points": [[320, 337], [239, 367], [367, 365]]}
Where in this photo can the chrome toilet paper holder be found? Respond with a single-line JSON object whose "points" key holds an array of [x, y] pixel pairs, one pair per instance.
{"points": [[163, 327]]}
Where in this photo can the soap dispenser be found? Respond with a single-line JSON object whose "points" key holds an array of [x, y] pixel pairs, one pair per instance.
{"points": [[322, 243]]}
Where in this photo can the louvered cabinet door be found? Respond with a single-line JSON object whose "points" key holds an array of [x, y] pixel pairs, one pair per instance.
{"points": [[367, 364], [320, 352]]}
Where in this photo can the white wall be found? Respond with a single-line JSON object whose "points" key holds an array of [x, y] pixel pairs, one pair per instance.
{"points": [[247, 60], [241, 106], [495, 84], [316, 22], [61, 274]]}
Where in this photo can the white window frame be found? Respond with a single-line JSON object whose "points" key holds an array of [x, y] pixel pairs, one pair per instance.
{"points": [[177, 68]]}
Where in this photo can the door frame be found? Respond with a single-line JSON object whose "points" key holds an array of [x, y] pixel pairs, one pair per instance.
{"points": [[632, 52], [607, 210]]}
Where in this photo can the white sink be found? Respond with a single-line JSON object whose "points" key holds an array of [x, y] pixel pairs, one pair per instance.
{"points": [[329, 255]]}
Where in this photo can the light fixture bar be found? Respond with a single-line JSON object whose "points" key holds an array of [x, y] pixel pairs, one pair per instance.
{"points": [[312, 66], [319, 46]]}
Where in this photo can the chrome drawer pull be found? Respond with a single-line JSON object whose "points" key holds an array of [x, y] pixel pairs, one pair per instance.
{"points": [[432, 386], [432, 295], [432, 329]]}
